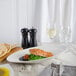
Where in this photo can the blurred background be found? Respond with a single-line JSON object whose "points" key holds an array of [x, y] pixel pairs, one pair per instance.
{"points": [[40, 14]]}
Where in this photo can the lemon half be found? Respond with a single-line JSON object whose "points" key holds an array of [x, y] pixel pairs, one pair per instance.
{"points": [[4, 71]]}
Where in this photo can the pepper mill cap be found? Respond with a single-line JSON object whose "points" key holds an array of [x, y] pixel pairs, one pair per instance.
{"points": [[33, 30], [24, 30]]}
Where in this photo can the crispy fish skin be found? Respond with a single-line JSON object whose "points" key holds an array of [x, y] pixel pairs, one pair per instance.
{"points": [[40, 52]]}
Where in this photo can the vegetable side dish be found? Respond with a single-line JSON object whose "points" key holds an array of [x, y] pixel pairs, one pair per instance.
{"points": [[36, 54]]}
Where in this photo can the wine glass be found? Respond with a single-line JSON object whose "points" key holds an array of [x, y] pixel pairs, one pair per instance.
{"points": [[65, 34], [52, 31]]}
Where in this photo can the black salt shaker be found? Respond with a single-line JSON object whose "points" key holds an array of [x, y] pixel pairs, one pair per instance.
{"points": [[25, 42], [33, 40]]}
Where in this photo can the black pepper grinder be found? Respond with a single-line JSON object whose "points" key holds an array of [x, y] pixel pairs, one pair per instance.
{"points": [[33, 40], [25, 43]]}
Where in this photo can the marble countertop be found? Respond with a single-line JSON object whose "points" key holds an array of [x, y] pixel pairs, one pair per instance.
{"points": [[68, 58]]}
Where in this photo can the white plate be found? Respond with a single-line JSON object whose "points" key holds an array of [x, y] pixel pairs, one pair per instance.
{"points": [[55, 49], [9, 67]]}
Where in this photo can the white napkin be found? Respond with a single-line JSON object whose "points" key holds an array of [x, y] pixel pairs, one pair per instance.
{"points": [[68, 57]]}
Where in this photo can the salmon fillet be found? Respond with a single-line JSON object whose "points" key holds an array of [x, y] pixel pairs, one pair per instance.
{"points": [[40, 52]]}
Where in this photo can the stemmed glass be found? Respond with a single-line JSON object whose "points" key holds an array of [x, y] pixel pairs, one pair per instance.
{"points": [[51, 31], [65, 34]]}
